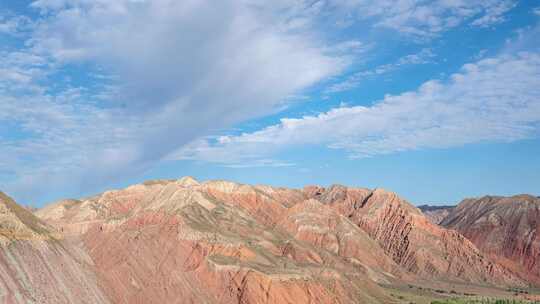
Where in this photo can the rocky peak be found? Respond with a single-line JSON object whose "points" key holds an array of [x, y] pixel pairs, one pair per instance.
{"points": [[313, 191], [57, 210], [16, 222], [411, 240], [507, 228], [187, 181]]}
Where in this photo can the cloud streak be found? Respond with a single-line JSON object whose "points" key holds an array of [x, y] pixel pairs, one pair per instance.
{"points": [[93, 92], [190, 67], [425, 56], [493, 100], [427, 19]]}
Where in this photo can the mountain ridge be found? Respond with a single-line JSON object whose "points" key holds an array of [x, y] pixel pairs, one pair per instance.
{"points": [[507, 228], [436, 213], [37, 265], [226, 242]]}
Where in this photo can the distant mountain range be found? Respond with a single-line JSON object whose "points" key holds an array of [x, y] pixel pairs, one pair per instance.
{"points": [[505, 228], [436, 213], [182, 241]]}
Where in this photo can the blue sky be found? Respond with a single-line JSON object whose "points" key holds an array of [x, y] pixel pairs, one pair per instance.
{"points": [[435, 100]]}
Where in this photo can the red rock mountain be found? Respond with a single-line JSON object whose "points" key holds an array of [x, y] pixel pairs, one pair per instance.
{"points": [[221, 242], [506, 228], [181, 241], [37, 266], [411, 240]]}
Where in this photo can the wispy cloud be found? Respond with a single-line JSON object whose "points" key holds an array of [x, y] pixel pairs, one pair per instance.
{"points": [[14, 25], [419, 19], [426, 19], [190, 67], [495, 99], [425, 56]]}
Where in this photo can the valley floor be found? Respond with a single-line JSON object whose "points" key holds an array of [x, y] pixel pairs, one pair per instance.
{"points": [[453, 293]]}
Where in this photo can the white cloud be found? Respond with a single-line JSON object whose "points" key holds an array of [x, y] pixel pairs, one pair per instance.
{"points": [[14, 25], [425, 56], [494, 13], [217, 45], [426, 19], [181, 68], [493, 100], [165, 72]]}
